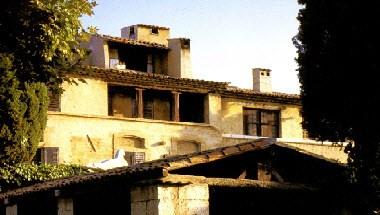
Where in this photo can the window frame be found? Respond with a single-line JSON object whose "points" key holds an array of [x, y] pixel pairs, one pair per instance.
{"points": [[259, 122]]}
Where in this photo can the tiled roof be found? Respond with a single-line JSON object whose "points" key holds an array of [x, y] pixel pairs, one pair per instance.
{"points": [[143, 79], [181, 161], [132, 42], [149, 170], [153, 26], [261, 96], [129, 174], [153, 80], [157, 169]]}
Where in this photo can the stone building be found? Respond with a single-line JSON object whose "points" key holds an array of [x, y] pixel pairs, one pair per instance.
{"points": [[139, 96], [257, 177]]}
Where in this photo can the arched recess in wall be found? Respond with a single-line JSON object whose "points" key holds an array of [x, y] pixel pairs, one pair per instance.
{"points": [[128, 141], [181, 147]]}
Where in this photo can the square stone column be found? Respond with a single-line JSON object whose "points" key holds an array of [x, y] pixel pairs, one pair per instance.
{"points": [[65, 206], [11, 209], [170, 199]]}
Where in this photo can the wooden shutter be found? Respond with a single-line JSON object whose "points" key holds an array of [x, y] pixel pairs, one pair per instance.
{"points": [[54, 102], [49, 155], [134, 157]]}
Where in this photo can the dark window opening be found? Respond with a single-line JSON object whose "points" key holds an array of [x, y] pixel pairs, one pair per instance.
{"points": [[154, 30], [258, 122], [157, 104], [122, 101], [148, 106], [191, 107], [131, 31], [185, 43], [47, 155], [138, 58]]}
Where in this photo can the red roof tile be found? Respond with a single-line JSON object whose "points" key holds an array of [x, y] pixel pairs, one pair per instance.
{"points": [[132, 42]]}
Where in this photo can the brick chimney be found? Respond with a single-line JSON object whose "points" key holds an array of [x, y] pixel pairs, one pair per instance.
{"points": [[262, 80]]}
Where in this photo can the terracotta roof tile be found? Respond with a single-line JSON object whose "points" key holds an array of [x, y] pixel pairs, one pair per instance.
{"points": [[130, 173], [153, 80], [149, 170], [146, 80], [261, 96], [132, 42]]}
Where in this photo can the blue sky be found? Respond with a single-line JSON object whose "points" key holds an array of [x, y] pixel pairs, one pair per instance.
{"points": [[228, 38]]}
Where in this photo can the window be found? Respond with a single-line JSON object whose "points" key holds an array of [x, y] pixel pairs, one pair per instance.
{"points": [[148, 107], [131, 31], [54, 101], [258, 122], [154, 30], [122, 101], [192, 107], [47, 155], [134, 157]]}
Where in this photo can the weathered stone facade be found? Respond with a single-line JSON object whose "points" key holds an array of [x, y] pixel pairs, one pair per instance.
{"points": [[149, 104]]}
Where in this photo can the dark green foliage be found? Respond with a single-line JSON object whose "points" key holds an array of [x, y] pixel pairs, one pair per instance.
{"points": [[27, 174], [22, 115], [39, 43], [338, 45]]}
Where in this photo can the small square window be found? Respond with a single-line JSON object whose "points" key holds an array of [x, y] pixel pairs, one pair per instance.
{"points": [[154, 30]]}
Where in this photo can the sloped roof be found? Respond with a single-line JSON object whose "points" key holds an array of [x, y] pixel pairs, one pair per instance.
{"points": [[254, 95], [132, 42], [143, 79], [149, 170], [154, 169], [160, 81], [181, 161]]}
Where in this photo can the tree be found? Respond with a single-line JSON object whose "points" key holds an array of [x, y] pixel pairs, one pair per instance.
{"points": [[338, 45], [39, 43]]}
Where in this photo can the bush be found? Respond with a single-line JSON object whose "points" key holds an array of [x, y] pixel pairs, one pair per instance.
{"points": [[25, 174]]}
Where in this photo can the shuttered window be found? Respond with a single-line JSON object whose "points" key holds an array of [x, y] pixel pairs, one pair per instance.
{"points": [[54, 102], [47, 155], [148, 106], [134, 157]]}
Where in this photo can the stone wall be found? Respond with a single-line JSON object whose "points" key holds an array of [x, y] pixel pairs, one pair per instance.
{"points": [[170, 199], [87, 138], [232, 117], [145, 34], [327, 150]]}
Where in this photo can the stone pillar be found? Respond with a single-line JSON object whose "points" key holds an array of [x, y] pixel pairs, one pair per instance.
{"points": [[11, 209], [170, 200], [213, 110], [176, 106], [140, 102], [65, 206], [193, 199]]}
